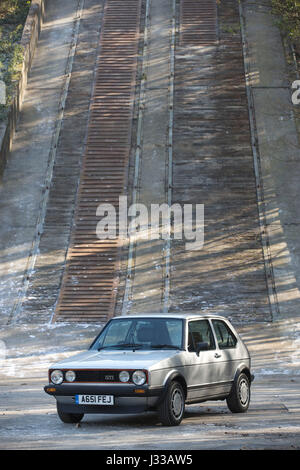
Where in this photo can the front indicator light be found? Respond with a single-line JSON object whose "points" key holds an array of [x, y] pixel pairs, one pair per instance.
{"points": [[57, 377], [139, 377]]}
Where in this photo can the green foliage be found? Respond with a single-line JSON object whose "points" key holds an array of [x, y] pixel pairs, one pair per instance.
{"points": [[288, 12], [13, 14], [13, 11]]}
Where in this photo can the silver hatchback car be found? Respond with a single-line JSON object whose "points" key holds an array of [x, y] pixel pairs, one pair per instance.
{"points": [[154, 362]]}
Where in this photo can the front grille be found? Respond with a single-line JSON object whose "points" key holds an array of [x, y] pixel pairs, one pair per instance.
{"points": [[97, 376]]}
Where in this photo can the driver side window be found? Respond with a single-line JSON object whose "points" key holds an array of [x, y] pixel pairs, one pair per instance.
{"points": [[199, 331]]}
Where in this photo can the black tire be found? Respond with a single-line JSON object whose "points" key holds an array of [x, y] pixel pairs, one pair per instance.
{"points": [[69, 417], [171, 410], [239, 399]]}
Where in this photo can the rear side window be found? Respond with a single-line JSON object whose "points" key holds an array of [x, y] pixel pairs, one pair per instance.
{"points": [[225, 337]]}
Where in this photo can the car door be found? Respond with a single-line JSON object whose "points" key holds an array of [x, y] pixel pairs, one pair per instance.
{"points": [[227, 345], [203, 368]]}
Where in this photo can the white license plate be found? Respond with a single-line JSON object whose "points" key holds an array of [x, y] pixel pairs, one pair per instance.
{"points": [[94, 399]]}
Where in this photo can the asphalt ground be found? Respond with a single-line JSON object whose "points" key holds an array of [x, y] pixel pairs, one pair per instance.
{"points": [[28, 418]]}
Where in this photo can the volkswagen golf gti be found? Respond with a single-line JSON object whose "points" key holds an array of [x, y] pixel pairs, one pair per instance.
{"points": [[154, 362]]}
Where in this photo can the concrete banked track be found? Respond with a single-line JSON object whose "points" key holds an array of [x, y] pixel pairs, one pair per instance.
{"points": [[212, 165], [89, 284], [199, 76]]}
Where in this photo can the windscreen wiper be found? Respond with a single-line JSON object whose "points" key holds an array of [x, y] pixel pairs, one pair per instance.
{"points": [[164, 346]]}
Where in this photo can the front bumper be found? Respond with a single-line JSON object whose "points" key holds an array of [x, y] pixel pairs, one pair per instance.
{"points": [[128, 398]]}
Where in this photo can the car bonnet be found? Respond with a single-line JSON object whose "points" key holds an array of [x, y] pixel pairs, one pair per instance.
{"points": [[124, 359]]}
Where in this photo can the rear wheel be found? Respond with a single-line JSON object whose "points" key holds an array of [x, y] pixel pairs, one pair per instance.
{"points": [[171, 409], [69, 417], [239, 398]]}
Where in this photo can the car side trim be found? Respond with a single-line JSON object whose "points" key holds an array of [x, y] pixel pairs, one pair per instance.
{"points": [[209, 385]]}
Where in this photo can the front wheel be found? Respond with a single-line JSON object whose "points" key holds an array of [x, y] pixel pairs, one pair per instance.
{"points": [[171, 410], [239, 398], [69, 417]]}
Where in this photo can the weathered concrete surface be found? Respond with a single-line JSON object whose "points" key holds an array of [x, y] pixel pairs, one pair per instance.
{"points": [[44, 285], [31, 31], [267, 61], [213, 165], [23, 185], [28, 418], [147, 291], [279, 151]]}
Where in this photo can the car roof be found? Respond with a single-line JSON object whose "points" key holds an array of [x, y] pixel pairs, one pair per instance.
{"points": [[172, 315]]}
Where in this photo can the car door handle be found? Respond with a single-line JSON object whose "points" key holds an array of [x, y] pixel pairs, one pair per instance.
{"points": [[217, 355]]}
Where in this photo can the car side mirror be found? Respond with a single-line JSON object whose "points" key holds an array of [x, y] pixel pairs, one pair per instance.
{"points": [[201, 347]]}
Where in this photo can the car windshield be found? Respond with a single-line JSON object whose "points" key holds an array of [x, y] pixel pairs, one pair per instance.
{"points": [[141, 333]]}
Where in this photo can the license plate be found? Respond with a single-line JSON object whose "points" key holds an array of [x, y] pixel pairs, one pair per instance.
{"points": [[94, 399]]}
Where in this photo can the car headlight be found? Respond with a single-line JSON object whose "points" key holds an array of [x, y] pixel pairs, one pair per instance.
{"points": [[124, 376], [57, 377], [139, 377], [70, 376]]}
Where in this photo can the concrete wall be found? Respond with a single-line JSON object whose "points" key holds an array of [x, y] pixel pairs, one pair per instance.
{"points": [[29, 40]]}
